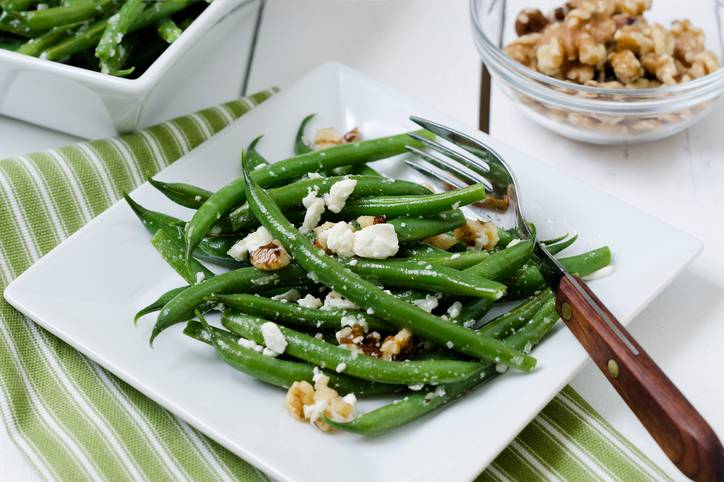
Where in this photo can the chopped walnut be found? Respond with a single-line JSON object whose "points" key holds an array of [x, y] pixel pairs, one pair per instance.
{"points": [[480, 234], [365, 221], [319, 241], [299, 395], [591, 52], [580, 73], [666, 70], [328, 137], [688, 39], [354, 338], [585, 41], [270, 257], [530, 20], [626, 66], [312, 403], [523, 49], [394, 346], [442, 241]]}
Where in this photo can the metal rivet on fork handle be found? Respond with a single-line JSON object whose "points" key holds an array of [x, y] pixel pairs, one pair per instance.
{"points": [[613, 368], [566, 311]]}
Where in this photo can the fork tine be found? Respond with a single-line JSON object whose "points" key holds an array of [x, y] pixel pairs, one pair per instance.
{"points": [[474, 146], [434, 173], [446, 151], [450, 168]]}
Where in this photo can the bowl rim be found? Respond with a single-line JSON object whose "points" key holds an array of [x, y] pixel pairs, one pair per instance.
{"points": [[214, 13], [524, 73]]}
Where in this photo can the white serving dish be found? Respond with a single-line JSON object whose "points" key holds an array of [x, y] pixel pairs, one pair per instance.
{"points": [[214, 50], [86, 291]]}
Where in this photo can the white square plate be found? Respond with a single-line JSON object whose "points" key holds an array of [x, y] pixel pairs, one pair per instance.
{"points": [[87, 289]]}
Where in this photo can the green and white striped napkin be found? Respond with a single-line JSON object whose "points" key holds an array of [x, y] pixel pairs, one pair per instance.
{"points": [[76, 421]]}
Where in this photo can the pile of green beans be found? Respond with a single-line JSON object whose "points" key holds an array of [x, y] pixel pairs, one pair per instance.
{"points": [[115, 37], [438, 297]]}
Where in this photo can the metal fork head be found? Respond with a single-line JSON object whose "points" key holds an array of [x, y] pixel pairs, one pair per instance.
{"points": [[471, 162]]}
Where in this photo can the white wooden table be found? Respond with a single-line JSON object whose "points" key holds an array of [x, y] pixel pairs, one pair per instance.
{"points": [[423, 48]]}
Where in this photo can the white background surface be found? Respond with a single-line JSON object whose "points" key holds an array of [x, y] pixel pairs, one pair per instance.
{"points": [[423, 48]]}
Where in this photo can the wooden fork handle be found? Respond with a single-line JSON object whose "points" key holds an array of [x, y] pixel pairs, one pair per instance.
{"points": [[677, 427]]}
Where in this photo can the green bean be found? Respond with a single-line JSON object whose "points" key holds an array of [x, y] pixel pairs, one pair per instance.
{"points": [[255, 158], [291, 195], [172, 252], [233, 195], [181, 307], [359, 170], [16, 5], [586, 263], [529, 279], [280, 373], [418, 404], [36, 46], [186, 195], [474, 310], [168, 30], [424, 205], [109, 45], [458, 261], [421, 250], [158, 304], [507, 323], [152, 220], [11, 24], [364, 293], [56, 16], [502, 264], [555, 248], [318, 352], [90, 37], [294, 314], [210, 249], [425, 276], [301, 147], [414, 228]]}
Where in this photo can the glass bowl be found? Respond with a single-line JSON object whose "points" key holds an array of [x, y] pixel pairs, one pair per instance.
{"points": [[593, 114]]}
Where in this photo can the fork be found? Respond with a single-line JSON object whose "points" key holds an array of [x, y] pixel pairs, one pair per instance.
{"points": [[674, 423]]}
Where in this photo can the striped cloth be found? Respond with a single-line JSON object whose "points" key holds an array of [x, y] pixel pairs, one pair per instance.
{"points": [[76, 421]]}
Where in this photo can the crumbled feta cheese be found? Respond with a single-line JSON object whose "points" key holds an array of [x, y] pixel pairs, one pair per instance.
{"points": [[335, 301], [339, 239], [450, 345], [469, 323], [513, 243], [370, 311], [309, 301], [314, 175], [601, 273], [200, 276], [353, 262], [273, 337], [315, 209], [313, 276], [440, 391], [454, 310], [318, 376], [319, 336], [338, 194], [341, 367], [417, 387], [250, 345], [289, 296], [350, 398], [269, 353], [428, 304], [252, 242], [378, 241]]}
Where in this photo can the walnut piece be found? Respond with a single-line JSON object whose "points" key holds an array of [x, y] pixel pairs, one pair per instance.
{"points": [[530, 20], [394, 346], [270, 257], [312, 403], [480, 234]]}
